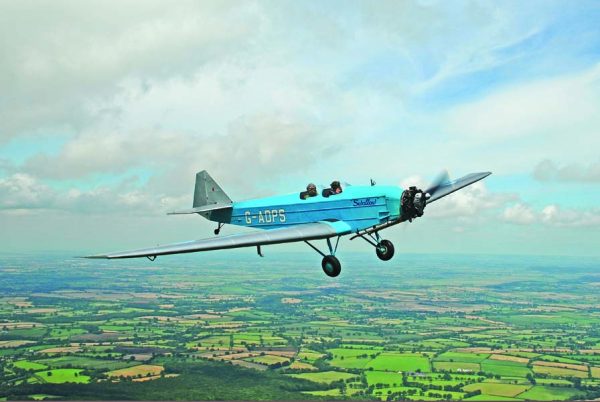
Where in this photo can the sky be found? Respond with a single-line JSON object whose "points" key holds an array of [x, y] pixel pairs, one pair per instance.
{"points": [[109, 108]]}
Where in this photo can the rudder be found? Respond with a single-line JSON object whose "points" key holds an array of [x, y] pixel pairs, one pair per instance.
{"points": [[208, 192]]}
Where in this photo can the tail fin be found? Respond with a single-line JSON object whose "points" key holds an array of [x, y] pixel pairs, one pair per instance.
{"points": [[208, 192]]}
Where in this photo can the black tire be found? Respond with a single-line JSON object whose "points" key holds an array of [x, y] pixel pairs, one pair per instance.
{"points": [[385, 250], [331, 266]]}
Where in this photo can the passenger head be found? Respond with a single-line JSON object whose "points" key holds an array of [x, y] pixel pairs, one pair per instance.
{"points": [[311, 189], [336, 187]]}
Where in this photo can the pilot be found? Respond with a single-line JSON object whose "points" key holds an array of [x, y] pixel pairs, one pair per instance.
{"points": [[336, 188], [311, 191]]}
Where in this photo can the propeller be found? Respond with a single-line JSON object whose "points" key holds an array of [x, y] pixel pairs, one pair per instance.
{"points": [[441, 180]]}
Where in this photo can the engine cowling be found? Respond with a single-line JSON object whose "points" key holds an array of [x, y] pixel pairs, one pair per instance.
{"points": [[412, 203]]}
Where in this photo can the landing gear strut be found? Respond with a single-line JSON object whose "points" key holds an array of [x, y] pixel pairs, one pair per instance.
{"points": [[330, 264]]}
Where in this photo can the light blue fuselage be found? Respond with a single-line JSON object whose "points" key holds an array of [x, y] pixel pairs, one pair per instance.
{"points": [[359, 207]]}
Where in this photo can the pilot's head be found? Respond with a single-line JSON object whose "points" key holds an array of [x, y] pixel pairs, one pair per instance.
{"points": [[312, 189], [335, 186]]}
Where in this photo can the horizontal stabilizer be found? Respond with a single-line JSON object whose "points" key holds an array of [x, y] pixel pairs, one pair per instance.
{"points": [[199, 210]]}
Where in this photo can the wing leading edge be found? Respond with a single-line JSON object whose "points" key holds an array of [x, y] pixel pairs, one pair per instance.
{"points": [[308, 231]]}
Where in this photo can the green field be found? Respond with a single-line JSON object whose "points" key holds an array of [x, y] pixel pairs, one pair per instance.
{"points": [[383, 377], [505, 368], [86, 362], [60, 376], [351, 358], [41, 397], [268, 359], [457, 367], [560, 372], [462, 357], [309, 355], [29, 365], [484, 397], [498, 389], [400, 362], [544, 393]]}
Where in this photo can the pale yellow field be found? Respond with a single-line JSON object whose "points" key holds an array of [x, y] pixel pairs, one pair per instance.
{"points": [[560, 372], [236, 356], [302, 366], [579, 367], [142, 369], [13, 344], [281, 353], [21, 325], [473, 350], [596, 372], [41, 310], [509, 358]]}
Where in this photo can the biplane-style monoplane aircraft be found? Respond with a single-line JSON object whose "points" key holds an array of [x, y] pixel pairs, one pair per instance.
{"points": [[361, 211]]}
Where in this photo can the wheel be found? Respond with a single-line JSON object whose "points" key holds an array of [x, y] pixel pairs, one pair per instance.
{"points": [[217, 231], [331, 266], [385, 250]]}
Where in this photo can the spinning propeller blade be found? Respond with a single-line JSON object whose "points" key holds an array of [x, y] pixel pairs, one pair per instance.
{"points": [[441, 179], [443, 186]]}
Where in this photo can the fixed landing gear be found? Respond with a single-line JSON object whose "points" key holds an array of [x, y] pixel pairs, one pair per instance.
{"points": [[218, 229], [385, 250], [330, 264]]}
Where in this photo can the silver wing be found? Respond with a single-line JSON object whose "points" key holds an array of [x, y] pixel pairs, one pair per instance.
{"points": [[308, 231]]}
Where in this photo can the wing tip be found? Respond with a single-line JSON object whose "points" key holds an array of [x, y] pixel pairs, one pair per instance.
{"points": [[96, 257]]}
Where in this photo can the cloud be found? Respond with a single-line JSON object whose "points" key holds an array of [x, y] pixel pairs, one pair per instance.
{"points": [[22, 192], [252, 147], [471, 202], [556, 216], [548, 170], [520, 214], [551, 215], [56, 72], [555, 118]]}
